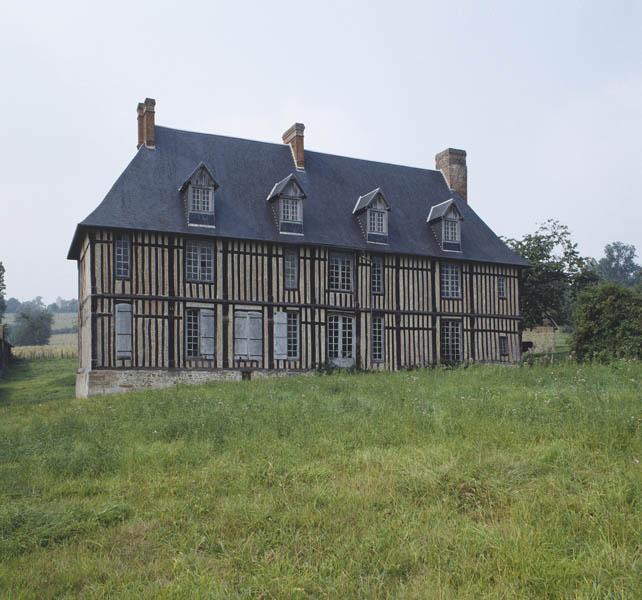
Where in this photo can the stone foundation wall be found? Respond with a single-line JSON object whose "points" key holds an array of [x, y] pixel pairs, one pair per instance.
{"points": [[101, 382], [543, 338]]}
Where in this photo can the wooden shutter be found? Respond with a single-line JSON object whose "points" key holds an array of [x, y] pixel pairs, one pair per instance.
{"points": [[124, 331], [240, 334], [255, 337], [281, 335], [206, 333]]}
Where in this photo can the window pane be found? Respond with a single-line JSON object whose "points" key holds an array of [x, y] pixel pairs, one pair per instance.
{"points": [[450, 341], [376, 221], [199, 261], [290, 210], [291, 270], [376, 275], [450, 281], [293, 335], [333, 336], [346, 337], [501, 286], [377, 338], [122, 256], [451, 230], [201, 199], [191, 333]]}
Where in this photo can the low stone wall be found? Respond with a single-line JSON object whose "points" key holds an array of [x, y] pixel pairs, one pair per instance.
{"points": [[543, 338], [101, 382]]}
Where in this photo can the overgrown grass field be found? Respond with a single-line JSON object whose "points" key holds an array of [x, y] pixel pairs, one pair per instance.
{"points": [[486, 482]]}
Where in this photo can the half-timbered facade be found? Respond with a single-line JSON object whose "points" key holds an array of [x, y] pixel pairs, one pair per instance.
{"points": [[215, 257]]}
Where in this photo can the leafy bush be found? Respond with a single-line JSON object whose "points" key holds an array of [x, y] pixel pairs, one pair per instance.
{"points": [[32, 326], [608, 323]]}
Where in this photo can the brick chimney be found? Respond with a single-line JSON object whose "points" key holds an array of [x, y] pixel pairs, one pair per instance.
{"points": [[294, 137], [146, 123], [452, 164]]}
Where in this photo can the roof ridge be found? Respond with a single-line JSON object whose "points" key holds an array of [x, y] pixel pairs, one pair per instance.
{"points": [[307, 151]]}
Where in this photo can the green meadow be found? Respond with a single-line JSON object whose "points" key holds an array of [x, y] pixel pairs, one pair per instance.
{"points": [[480, 482]]}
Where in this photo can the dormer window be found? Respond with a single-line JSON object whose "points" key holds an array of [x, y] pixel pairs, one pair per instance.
{"points": [[286, 199], [371, 211], [445, 220], [198, 191]]}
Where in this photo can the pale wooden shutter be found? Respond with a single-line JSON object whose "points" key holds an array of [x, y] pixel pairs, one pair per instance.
{"points": [[255, 337], [281, 335], [206, 333], [240, 334], [124, 331]]}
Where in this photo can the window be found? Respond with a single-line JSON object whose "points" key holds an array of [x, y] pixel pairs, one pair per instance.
{"points": [[341, 340], [340, 273], [199, 261], [377, 221], [503, 345], [248, 335], [123, 331], [200, 199], [450, 341], [122, 256], [451, 230], [377, 338], [291, 210], [450, 281], [293, 334], [501, 286], [199, 333], [291, 270], [376, 275]]}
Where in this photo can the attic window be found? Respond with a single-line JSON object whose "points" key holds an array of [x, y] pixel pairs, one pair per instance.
{"points": [[286, 201], [377, 221], [445, 220], [200, 199], [291, 210], [452, 232]]}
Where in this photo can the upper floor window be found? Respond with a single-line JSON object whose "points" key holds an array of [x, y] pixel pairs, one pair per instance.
{"points": [[200, 199], [291, 270], [501, 286], [291, 210], [451, 230], [450, 280], [376, 275], [122, 256], [377, 221], [199, 261], [340, 273]]}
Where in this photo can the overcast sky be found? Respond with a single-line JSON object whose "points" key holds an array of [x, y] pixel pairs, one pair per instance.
{"points": [[546, 98]]}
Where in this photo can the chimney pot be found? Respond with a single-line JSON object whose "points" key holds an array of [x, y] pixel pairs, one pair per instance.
{"points": [[452, 163], [294, 137]]}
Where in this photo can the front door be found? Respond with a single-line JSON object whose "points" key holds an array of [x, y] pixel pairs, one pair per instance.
{"points": [[341, 340]]}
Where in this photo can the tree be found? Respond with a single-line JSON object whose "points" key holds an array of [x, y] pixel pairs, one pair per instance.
{"points": [[32, 325], [3, 304], [13, 304], [618, 264], [608, 323], [556, 270]]}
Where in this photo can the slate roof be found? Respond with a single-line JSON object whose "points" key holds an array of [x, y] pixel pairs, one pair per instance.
{"points": [[365, 201], [146, 197]]}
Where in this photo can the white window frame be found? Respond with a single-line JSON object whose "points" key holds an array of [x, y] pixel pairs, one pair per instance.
{"points": [[293, 335], [378, 338], [450, 281], [451, 340], [291, 269], [195, 333], [376, 276], [377, 221], [341, 339], [122, 256], [501, 287], [201, 199], [340, 272], [202, 270], [291, 210], [451, 230]]}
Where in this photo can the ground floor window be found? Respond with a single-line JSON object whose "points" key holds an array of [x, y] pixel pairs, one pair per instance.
{"points": [[450, 340], [377, 338], [123, 331], [199, 333], [248, 335], [503, 345], [293, 334], [341, 340]]}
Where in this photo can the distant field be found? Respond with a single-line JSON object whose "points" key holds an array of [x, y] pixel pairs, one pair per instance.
{"points": [[483, 482], [61, 345], [61, 320]]}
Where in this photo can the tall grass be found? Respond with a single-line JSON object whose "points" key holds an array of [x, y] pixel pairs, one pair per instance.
{"points": [[486, 482], [45, 352]]}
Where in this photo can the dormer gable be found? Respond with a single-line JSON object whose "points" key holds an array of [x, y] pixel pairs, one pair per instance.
{"points": [[445, 221], [372, 211], [286, 199], [197, 192]]}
